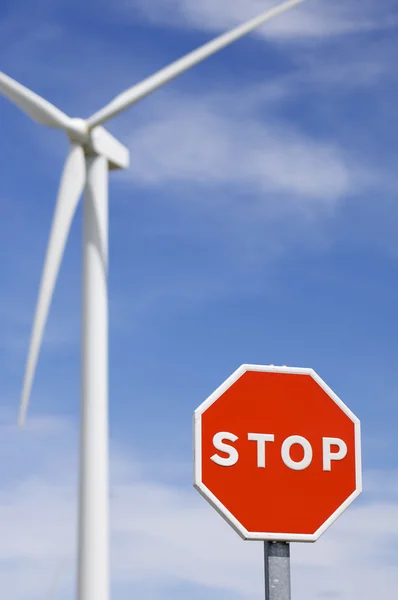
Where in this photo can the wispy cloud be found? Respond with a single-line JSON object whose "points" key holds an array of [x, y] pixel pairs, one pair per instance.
{"points": [[314, 19], [195, 142]]}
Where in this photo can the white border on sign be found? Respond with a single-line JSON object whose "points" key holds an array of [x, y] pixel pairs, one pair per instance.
{"points": [[219, 507]]}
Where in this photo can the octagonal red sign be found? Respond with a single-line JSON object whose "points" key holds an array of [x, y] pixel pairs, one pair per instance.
{"points": [[277, 453]]}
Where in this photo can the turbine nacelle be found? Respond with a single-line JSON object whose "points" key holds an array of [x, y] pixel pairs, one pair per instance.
{"points": [[105, 144], [98, 141]]}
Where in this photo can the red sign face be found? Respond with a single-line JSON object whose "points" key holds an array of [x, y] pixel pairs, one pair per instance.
{"points": [[277, 453]]}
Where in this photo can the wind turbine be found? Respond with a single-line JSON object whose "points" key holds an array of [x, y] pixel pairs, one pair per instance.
{"points": [[93, 152]]}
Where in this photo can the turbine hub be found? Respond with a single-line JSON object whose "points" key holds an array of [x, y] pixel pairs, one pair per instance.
{"points": [[78, 131]]}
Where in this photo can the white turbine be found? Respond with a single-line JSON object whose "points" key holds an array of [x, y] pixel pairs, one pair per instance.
{"points": [[92, 153]]}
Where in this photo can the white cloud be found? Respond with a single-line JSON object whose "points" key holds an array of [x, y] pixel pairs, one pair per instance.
{"points": [[312, 19], [165, 535], [208, 145]]}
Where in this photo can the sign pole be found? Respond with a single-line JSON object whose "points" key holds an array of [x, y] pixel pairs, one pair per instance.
{"points": [[277, 570]]}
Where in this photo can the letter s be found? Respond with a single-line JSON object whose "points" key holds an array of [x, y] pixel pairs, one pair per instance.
{"points": [[218, 443]]}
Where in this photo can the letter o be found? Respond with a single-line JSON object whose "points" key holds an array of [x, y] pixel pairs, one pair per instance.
{"points": [[287, 459]]}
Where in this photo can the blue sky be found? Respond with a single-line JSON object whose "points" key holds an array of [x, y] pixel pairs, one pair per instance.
{"points": [[257, 223]]}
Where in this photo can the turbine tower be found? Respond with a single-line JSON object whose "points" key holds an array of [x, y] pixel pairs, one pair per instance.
{"points": [[94, 152]]}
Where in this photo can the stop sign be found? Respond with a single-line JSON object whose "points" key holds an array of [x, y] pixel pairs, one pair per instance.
{"points": [[277, 453]]}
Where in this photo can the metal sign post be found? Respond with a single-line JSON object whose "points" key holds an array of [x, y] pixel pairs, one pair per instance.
{"points": [[277, 570]]}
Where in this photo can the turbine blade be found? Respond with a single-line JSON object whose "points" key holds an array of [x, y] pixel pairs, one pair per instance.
{"points": [[35, 106], [152, 83], [71, 187]]}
